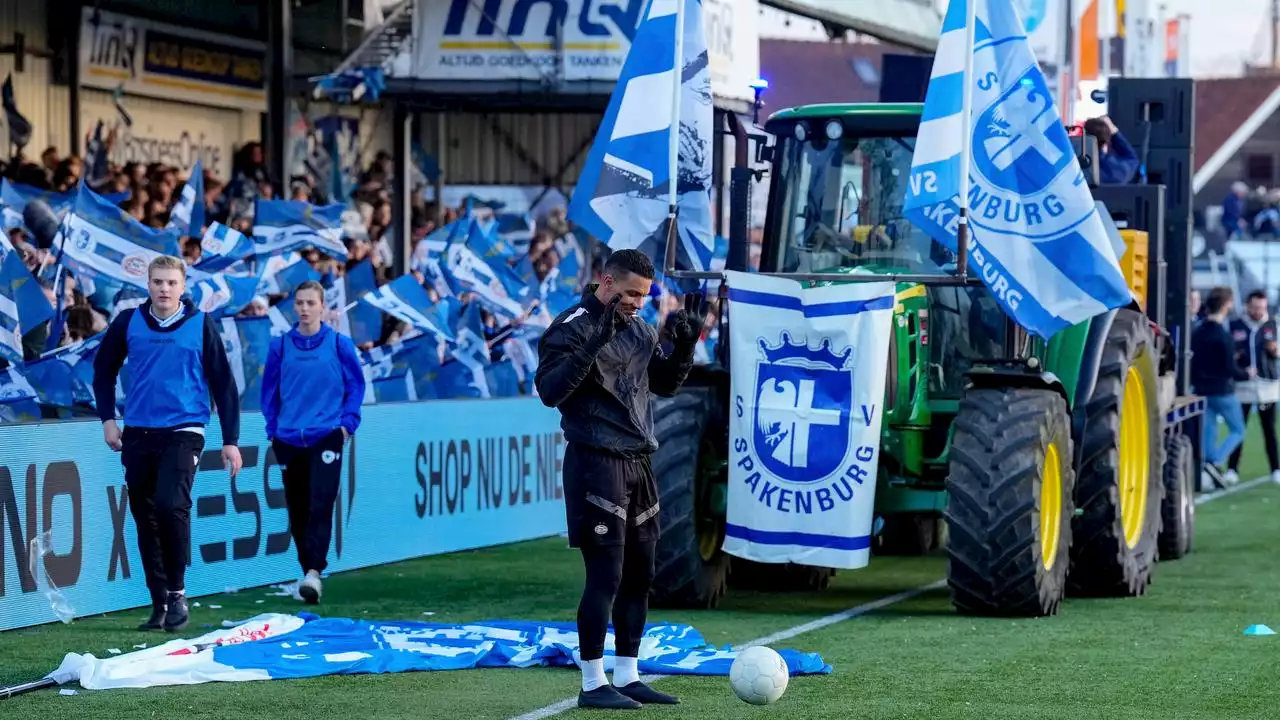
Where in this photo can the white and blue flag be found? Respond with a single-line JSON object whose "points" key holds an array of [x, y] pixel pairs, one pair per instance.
{"points": [[274, 646], [1036, 237], [280, 226], [221, 247], [406, 300], [23, 304], [223, 294], [100, 240], [808, 385], [187, 216], [623, 193]]}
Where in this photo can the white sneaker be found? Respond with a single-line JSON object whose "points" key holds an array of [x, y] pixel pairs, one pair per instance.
{"points": [[1231, 477], [1275, 476], [310, 587]]}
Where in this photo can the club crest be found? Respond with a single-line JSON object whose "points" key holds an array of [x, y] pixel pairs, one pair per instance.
{"points": [[1019, 145], [803, 401]]}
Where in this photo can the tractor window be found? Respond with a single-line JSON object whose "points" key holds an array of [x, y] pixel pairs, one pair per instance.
{"points": [[840, 206]]}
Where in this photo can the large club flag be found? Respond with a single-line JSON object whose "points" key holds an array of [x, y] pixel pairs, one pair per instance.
{"points": [[808, 401], [99, 239], [624, 192], [1036, 237], [280, 226]]}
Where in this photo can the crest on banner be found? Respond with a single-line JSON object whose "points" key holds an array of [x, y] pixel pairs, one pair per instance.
{"points": [[803, 396]]}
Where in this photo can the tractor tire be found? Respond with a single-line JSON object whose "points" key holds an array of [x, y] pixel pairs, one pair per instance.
{"points": [[908, 534], [778, 577], [1009, 505], [1178, 512], [1120, 486], [690, 568]]}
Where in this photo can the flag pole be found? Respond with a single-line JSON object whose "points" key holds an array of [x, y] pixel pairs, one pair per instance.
{"points": [[673, 139], [966, 139]]}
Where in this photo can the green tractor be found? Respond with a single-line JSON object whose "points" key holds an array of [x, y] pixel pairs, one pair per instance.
{"points": [[1045, 468]]}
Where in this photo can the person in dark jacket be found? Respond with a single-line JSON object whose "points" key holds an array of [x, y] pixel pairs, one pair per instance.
{"points": [[176, 357], [312, 389], [598, 363], [1119, 161], [1214, 372], [1254, 334]]}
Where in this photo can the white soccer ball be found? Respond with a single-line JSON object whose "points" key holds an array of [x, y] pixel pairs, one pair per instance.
{"points": [[759, 675]]}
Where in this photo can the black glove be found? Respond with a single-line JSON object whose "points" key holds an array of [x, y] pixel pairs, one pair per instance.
{"points": [[610, 322], [686, 329]]}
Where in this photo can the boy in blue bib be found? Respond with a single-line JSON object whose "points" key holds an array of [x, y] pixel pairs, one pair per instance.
{"points": [[176, 362]]}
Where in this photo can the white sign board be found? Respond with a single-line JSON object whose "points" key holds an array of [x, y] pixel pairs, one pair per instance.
{"points": [[733, 47], [808, 381], [174, 134], [170, 62], [567, 41]]}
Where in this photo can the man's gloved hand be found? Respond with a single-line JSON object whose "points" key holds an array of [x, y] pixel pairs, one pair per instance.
{"points": [[610, 322], [686, 328]]}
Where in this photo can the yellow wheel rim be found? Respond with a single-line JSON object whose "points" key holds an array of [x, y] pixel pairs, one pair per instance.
{"points": [[1135, 457], [1050, 506]]}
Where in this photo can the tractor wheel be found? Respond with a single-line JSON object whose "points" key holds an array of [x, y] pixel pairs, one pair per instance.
{"points": [[690, 567], [1121, 484], [908, 534], [778, 577], [1178, 513], [1009, 502]]}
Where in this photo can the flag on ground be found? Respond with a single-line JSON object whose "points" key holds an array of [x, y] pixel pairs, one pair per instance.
{"points": [[1036, 237], [624, 193], [275, 646]]}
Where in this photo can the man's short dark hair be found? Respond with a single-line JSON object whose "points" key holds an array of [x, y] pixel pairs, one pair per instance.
{"points": [[1099, 129], [1257, 295], [1218, 299], [633, 262]]}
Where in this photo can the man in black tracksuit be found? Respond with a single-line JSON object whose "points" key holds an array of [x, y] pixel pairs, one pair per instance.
{"points": [[1254, 334], [176, 364], [597, 364]]}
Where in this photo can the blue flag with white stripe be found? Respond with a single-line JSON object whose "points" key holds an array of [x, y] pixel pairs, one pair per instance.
{"points": [[23, 304], [406, 300], [622, 196], [223, 294], [247, 342], [1036, 237], [187, 216], [283, 225], [365, 321], [99, 239], [221, 247]]}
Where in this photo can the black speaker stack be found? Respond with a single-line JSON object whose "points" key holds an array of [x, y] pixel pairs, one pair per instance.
{"points": [[1157, 117]]}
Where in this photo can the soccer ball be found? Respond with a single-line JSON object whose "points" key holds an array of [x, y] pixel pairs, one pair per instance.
{"points": [[759, 675]]}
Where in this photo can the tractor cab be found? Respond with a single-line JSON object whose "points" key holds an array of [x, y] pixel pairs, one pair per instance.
{"points": [[837, 188]]}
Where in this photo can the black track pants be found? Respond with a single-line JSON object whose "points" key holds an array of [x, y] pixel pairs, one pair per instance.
{"points": [[1267, 418], [311, 477], [159, 469]]}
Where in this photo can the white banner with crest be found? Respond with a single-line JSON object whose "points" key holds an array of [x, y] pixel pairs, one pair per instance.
{"points": [[809, 373]]}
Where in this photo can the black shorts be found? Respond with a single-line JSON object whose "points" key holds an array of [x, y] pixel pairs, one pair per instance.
{"points": [[608, 499]]}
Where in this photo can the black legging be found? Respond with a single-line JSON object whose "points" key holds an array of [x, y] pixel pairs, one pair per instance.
{"points": [[618, 578]]}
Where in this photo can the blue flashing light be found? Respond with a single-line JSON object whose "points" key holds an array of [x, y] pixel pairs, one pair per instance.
{"points": [[760, 84]]}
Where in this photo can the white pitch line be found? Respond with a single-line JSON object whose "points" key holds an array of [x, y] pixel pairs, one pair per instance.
{"points": [[853, 612]]}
